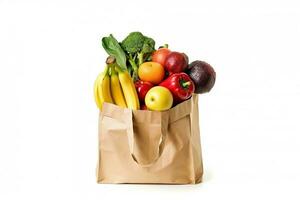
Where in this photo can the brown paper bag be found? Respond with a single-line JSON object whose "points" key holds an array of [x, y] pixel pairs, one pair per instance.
{"points": [[150, 147]]}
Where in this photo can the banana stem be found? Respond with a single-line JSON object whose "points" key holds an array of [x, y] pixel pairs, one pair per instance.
{"points": [[112, 70], [106, 69], [110, 60], [118, 69]]}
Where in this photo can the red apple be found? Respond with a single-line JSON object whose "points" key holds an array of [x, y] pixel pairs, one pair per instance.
{"points": [[186, 58], [144, 107], [142, 87], [176, 62], [160, 55]]}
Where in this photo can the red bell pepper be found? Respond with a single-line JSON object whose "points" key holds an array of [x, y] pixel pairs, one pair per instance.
{"points": [[181, 86]]}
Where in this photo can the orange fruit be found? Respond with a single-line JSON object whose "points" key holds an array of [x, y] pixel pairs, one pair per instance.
{"points": [[152, 72]]}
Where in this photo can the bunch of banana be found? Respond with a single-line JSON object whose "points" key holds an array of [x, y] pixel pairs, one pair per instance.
{"points": [[102, 88], [115, 86]]}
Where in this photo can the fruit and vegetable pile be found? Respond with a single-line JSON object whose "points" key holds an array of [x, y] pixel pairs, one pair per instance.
{"points": [[137, 76]]}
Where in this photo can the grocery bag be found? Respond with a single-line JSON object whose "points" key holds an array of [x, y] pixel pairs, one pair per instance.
{"points": [[141, 146]]}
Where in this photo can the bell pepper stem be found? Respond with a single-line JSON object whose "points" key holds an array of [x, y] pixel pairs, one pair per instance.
{"points": [[185, 84]]}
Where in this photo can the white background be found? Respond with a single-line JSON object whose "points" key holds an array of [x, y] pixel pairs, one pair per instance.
{"points": [[50, 54]]}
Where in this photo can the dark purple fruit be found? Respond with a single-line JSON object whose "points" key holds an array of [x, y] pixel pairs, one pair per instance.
{"points": [[203, 76]]}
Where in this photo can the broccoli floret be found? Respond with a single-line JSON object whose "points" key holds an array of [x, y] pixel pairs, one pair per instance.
{"points": [[138, 48], [147, 49], [133, 43], [148, 46], [137, 45]]}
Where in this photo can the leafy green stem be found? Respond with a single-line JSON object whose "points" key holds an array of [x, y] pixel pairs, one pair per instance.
{"points": [[140, 58]]}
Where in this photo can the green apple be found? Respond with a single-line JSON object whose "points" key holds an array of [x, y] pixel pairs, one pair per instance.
{"points": [[159, 98]]}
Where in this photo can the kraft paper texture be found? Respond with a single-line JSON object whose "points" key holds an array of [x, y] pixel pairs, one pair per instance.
{"points": [[143, 146]]}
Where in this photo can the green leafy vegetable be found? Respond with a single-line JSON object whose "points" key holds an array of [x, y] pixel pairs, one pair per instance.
{"points": [[113, 48], [134, 49], [133, 43], [148, 48], [138, 49]]}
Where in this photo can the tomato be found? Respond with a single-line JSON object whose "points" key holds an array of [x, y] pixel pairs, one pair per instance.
{"points": [[160, 55]]}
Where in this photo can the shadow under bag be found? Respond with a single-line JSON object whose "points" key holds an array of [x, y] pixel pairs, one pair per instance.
{"points": [[150, 147]]}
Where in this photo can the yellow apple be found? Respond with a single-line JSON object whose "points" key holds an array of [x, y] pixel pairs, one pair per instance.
{"points": [[159, 98]]}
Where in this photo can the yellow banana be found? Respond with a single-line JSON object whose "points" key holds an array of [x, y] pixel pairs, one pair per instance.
{"points": [[104, 90], [129, 90], [116, 89], [96, 94]]}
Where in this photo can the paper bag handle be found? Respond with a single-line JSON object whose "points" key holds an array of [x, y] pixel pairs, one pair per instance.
{"points": [[130, 134]]}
